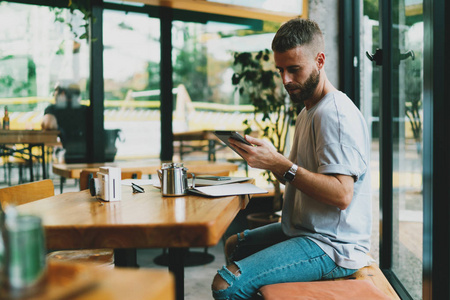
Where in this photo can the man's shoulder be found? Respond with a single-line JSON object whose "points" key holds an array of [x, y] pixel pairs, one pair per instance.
{"points": [[336, 101], [50, 109]]}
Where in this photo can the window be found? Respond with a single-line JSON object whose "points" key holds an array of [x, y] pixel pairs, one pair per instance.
{"points": [[131, 62], [35, 53]]}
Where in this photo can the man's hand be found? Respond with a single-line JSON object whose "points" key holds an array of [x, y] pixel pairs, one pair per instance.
{"points": [[261, 155]]}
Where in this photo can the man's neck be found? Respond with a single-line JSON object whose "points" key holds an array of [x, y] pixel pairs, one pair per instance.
{"points": [[324, 87]]}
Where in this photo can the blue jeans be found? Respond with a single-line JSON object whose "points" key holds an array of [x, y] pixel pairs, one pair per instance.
{"points": [[265, 255]]}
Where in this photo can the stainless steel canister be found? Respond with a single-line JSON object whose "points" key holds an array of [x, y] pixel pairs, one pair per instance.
{"points": [[23, 265], [174, 179]]}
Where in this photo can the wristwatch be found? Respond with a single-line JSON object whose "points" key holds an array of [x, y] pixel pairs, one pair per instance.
{"points": [[290, 174]]}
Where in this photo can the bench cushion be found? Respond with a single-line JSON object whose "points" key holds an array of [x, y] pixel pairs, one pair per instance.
{"points": [[330, 290]]}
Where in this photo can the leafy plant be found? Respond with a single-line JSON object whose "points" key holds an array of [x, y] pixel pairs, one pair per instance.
{"points": [[82, 6], [256, 80]]}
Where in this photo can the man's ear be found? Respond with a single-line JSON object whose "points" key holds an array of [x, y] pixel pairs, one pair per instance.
{"points": [[320, 60]]}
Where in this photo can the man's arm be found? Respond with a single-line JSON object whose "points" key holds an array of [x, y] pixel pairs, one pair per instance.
{"points": [[49, 122], [334, 189]]}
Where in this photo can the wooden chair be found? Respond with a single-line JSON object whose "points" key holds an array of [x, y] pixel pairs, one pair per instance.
{"points": [[29, 192], [86, 174]]}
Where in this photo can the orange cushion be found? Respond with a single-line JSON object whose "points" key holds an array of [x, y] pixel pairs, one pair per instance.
{"points": [[330, 290]]}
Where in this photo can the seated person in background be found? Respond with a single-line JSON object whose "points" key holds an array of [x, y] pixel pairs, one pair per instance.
{"points": [[69, 117]]}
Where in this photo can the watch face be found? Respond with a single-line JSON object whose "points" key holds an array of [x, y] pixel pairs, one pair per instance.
{"points": [[289, 176]]}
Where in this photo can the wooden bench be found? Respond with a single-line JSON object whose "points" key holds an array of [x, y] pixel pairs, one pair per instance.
{"points": [[367, 283]]}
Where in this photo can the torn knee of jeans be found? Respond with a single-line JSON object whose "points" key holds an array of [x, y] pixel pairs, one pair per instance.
{"points": [[228, 276]]}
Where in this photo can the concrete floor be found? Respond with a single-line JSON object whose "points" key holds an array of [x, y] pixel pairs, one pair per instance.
{"points": [[197, 281]]}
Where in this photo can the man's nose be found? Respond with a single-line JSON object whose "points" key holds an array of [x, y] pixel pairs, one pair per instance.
{"points": [[285, 76]]}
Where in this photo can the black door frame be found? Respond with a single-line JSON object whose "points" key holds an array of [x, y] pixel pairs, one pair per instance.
{"points": [[436, 149], [436, 162]]}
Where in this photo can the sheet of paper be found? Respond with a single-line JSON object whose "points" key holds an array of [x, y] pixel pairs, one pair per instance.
{"points": [[228, 190]]}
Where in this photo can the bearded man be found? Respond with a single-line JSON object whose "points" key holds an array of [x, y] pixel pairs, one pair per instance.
{"points": [[326, 217]]}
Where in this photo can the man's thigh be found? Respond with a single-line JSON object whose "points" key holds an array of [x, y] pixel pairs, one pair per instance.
{"points": [[295, 259]]}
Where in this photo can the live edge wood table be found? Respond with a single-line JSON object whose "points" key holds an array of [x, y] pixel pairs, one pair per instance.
{"points": [[77, 220], [32, 138]]}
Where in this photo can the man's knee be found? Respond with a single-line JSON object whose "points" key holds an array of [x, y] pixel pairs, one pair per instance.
{"points": [[230, 246], [219, 283]]}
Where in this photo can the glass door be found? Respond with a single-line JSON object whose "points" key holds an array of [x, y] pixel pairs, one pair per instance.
{"points": [[392, 103], [407, 120]]}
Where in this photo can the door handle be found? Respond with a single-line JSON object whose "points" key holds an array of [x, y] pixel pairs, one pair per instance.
{"points": [[407, 54], [377, 57]]}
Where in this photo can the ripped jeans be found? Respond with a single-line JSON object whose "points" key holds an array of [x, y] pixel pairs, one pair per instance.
{"points": [[265, 255]]}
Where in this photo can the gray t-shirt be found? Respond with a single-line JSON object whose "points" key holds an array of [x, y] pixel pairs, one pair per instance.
{"points": [[332, 138]]}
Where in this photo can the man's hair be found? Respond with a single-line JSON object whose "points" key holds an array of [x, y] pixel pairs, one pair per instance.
{"points": [[71, 90], [298, 32]]}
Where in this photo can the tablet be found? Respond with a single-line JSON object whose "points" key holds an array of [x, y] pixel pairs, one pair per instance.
{"points": [[224, 135]]}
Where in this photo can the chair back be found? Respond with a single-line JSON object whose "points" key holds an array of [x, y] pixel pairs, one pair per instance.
{"points": [[27, 192], [87, 174]]}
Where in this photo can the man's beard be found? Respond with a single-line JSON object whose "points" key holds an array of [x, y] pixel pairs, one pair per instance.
{"points": [[306, 89]]}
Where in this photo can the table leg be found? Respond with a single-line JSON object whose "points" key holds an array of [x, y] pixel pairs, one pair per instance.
{"points": [[125, 258], [61, 184], [30, 163], [44, 170], [181, 150], [176, 266], [212, 150]]}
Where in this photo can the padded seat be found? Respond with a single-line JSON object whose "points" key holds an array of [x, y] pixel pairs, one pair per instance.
{"points": [[367, 283]]}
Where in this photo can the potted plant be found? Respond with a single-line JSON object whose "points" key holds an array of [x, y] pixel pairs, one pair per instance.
{"points": [[258, 83]]}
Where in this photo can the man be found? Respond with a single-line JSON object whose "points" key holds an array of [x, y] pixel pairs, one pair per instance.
{"points": [[326, 217], [69, 117]]}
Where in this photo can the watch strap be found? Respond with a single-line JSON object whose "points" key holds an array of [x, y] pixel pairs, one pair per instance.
{"points": [[289, 175]]}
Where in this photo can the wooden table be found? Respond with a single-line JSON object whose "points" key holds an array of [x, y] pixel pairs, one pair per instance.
{"points": [[66, 280], [143, 220], [32, 138], [199, 136], [146, 167]]}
